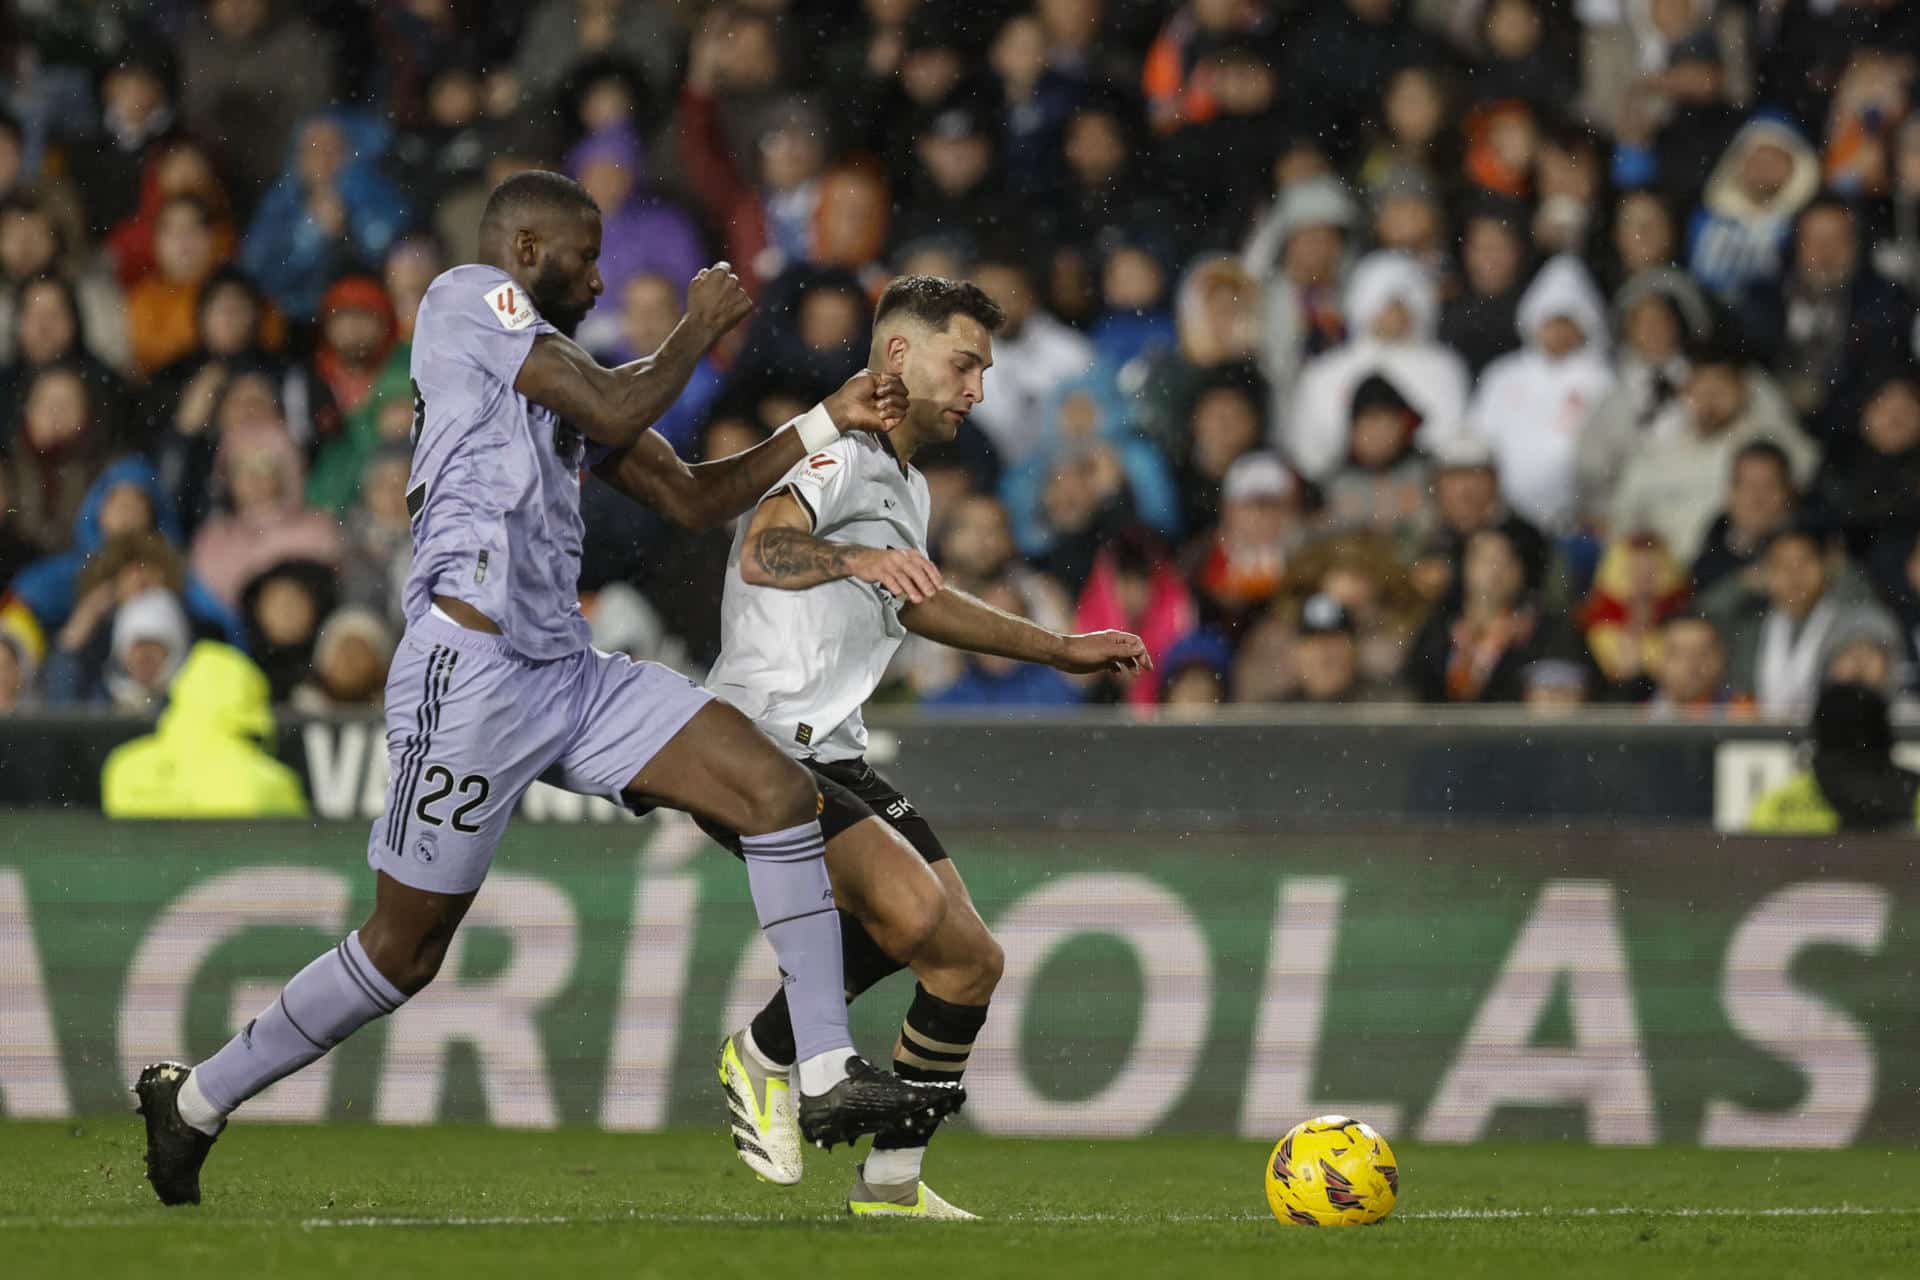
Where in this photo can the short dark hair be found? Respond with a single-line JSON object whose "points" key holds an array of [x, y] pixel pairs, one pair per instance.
{"points": [[1767, 451], [535, 191], [934, 301]]}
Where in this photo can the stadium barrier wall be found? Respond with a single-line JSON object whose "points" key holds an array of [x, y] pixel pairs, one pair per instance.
{"points": [[1623, 987], [1100, 770]]}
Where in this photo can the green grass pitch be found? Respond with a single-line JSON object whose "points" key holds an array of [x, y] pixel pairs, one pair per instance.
{"points": [[472, 1202]]}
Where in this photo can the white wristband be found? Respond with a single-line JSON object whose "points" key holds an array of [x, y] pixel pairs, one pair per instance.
{"points": [[815, 428]]}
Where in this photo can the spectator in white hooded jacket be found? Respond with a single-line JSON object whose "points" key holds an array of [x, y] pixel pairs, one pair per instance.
{"points": [[1531, 404], [1393, 309]]}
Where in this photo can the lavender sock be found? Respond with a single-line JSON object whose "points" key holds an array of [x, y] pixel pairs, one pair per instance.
{"points": [[787, 871], [325, 1003]]}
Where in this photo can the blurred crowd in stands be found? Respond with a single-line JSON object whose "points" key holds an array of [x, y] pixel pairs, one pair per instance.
{"points": [[1455, 351]]}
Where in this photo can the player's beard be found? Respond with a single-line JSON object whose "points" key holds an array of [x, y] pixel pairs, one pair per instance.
{"points": [[552, 291]]}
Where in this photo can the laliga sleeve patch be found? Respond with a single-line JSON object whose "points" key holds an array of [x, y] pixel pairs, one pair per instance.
{"points": [[508, 303]]}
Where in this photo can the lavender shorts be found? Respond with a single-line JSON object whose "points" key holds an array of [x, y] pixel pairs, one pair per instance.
{"points": [[471, 725]]}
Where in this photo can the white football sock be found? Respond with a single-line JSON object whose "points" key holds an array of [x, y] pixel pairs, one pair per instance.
{"points": [[196, 1110], [892, 1166], [760, 1057], [823, 1071]]}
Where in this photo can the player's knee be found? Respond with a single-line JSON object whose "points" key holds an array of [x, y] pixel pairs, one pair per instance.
{"points": [[410, 964], [989, 962], [786, 797]]}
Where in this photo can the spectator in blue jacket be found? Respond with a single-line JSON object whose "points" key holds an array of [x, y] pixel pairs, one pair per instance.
{"points": [[330, 209], [126, 499]]}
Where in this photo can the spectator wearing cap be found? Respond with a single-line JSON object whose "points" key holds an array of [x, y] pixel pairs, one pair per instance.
{"points": [[1199, 674], [1384, 483], [1032, 354], [1326, 656], [1532, 404], [641, 233], [1830, 324], [1689, 677], [987, 681], [1870, 482], [1853, 784], [1239, 566], [1477, 648], [1676, 481], [956, 188], [1298, 253], [1496, 261], [1781, 640], [1466, 499], [332, 208], [250, 71], [1392, 311], [1658, 315], [1761, 501]]}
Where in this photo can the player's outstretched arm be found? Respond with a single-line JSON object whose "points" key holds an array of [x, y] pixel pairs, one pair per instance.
{"points": [[952, 617], [781, 551], [619, 406], [705, 494]]}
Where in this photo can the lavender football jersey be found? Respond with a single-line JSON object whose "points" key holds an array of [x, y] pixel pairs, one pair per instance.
{"points": [[494, 491]]}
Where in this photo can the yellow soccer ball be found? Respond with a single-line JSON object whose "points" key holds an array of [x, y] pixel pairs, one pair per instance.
{"points": [[1332, 1172]]}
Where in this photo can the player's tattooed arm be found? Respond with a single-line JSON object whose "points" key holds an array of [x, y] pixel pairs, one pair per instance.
{"points": [[954, 618], [782, 551]]}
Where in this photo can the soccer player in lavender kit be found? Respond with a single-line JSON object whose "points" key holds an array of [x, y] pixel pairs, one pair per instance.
{"points": [[496, 686]]}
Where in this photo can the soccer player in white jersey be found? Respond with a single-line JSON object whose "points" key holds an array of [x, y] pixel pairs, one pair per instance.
{"points": [[823, 584], [495, 684]]}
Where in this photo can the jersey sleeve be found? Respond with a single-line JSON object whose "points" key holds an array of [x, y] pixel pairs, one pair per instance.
{"points": [[823, 483], [488, 325]]}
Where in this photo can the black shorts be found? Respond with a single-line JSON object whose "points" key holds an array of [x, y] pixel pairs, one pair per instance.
{"points": [[850, 793]]}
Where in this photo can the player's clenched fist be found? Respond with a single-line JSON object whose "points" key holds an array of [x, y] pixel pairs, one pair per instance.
{"points": [[868, 401], [907, 574], [717, 301]]}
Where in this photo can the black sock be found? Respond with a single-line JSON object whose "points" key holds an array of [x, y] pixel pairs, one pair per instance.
{"points": [[865, 964], [935, 1042]]}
